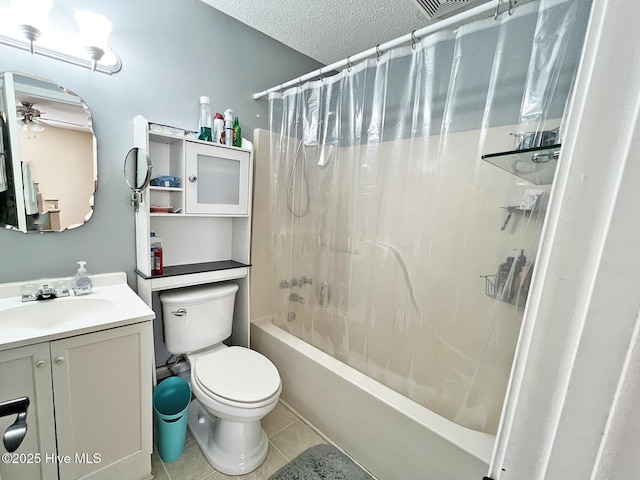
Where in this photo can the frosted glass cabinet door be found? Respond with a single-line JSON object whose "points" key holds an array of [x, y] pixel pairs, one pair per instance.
{"points": [[217, 180]]}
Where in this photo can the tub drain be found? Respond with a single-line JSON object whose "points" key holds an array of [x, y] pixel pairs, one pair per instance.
{"points": [[291, 317]]}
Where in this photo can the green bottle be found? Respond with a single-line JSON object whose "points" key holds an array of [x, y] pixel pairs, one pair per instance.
{"points": [[237, 133]]}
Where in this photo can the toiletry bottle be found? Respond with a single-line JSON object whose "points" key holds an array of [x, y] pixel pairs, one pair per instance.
{"points": [[503, 285], [151, 243], [518, 273], [237, 133], [205, 119], [218, 128], [157, 265], [228, 127], [81, 282]]}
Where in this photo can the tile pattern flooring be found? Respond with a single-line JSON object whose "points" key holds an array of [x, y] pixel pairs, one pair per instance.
{"points": [[288, 437]]}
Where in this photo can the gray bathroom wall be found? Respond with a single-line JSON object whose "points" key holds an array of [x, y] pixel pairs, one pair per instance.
{"points": [[172, 52]]}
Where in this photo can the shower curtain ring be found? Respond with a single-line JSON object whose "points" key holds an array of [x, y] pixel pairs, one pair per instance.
{"points": [[300, 83], [349, 64], [378, 52], [512, 4], [414, 40], [497, 12]]}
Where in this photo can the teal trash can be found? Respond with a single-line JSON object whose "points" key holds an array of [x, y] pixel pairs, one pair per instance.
{"points": [[170, 403]]}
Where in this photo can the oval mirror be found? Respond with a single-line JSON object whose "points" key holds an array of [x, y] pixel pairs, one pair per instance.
{"points": [[137, 165], [48, 161]]}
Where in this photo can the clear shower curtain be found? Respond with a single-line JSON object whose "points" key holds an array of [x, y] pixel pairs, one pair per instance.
{"points": [[396, 249]]}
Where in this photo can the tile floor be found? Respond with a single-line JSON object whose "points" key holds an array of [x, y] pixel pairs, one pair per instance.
{"points": [[288, 437]]}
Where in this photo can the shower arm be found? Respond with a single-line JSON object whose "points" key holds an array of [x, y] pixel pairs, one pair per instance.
{"points": [[383, 47]]}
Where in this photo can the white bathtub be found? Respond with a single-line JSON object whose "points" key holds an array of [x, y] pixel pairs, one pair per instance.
{"points": [[391, 436]]}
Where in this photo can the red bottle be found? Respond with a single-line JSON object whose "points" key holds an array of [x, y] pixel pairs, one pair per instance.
{"points": [[157, 261]]}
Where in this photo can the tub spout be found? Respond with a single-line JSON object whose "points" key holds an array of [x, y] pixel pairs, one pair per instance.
{"points": [[294, 297]]}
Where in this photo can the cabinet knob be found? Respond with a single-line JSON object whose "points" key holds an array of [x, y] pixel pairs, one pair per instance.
{"points": [[193, 178], [59, 360], [41, 363]]}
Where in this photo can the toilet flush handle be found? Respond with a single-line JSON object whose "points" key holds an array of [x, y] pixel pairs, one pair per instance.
{"points": [[180, 312]]}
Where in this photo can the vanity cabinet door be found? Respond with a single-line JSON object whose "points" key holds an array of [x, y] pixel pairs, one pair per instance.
{"points": [[102, 386], [217, 179], [26, 372]]}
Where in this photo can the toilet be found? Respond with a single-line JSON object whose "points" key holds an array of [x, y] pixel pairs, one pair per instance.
{"points": [[234, 387]]}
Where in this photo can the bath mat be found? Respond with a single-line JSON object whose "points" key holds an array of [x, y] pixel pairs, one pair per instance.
{"points": [[322, 462]]}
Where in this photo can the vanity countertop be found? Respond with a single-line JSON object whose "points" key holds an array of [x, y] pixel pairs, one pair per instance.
{"points": [[111, 304]]}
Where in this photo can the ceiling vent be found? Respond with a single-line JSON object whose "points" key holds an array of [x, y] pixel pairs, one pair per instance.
{"points": [[440, 8]]}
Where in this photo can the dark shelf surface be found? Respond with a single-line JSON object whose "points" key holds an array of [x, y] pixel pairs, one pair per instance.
{"points": [[176, 270]]}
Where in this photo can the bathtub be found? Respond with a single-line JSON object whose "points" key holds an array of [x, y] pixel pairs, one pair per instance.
{"points": [[390, 435]]}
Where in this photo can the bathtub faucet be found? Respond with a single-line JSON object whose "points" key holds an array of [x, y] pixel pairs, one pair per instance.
{"points": [[294, 297]]}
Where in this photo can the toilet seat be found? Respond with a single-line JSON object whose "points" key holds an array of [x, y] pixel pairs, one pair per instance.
{"points": [[237, 375]]}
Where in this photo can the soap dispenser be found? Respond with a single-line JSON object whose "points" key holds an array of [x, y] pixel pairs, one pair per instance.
{"points": [[81, 281]]}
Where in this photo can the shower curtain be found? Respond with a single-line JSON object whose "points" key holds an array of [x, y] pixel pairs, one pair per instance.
{"points": [[396, 248]]}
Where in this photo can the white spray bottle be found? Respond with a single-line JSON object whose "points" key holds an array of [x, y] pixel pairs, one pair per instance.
{"points": [[228, 127]]}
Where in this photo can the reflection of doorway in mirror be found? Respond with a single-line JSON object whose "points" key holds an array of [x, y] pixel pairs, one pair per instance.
{"points": [[61, 165]]}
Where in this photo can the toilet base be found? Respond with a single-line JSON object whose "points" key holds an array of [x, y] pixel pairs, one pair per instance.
{"points": [[233, 448]]}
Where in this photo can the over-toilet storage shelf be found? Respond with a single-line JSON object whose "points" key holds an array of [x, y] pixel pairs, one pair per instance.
{"points": [[536, 165], [204, 222]]}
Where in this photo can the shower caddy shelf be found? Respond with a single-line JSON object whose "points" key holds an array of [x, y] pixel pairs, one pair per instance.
{"points": [[535, 165], [204, 223]]}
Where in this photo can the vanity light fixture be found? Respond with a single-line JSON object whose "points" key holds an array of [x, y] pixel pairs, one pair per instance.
{"points": [[31, 17], [29, 21], [94, 33]]}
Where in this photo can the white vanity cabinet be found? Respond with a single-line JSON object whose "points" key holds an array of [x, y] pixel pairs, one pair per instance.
{"points": [[99, 385], [204, 222], [26, 372]]}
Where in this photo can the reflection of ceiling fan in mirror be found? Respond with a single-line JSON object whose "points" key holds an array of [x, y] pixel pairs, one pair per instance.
{"points": [[34, 119], [29, 117]]}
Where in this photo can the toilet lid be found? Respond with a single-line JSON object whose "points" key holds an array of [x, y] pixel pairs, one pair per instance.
{"points": [[238, 373]]}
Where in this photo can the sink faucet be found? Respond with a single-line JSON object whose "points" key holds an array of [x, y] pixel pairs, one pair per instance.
{"points": [[45, 291]]}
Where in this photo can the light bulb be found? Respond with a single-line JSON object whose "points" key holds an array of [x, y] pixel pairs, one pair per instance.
{"points": [[94, 29], [94, 32], [31, 17], [31, 12]]}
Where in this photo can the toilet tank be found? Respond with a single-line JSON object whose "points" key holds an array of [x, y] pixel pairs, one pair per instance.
{"points": [[197, 317]]}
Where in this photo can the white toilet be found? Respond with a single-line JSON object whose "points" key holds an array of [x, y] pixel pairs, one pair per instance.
{"points": [[234, 386]]}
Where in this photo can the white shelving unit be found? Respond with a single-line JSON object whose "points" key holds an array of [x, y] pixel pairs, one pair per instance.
{"points": [[206, 236]]}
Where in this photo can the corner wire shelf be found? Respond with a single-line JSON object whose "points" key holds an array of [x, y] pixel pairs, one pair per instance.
{"points": [[536, 165]]}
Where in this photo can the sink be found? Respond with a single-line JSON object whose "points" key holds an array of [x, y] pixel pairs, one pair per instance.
{"points": [[47, 313], [111, 304]]}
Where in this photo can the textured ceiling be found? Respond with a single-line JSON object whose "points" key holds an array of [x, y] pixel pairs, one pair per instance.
{"points": [[327, 30]]}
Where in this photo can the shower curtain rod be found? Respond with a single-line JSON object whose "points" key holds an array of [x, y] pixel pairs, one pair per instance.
{"points": [[379, 49]]}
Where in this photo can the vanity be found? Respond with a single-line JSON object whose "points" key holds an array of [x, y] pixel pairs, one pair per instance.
{"points": [[86, 365]]}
